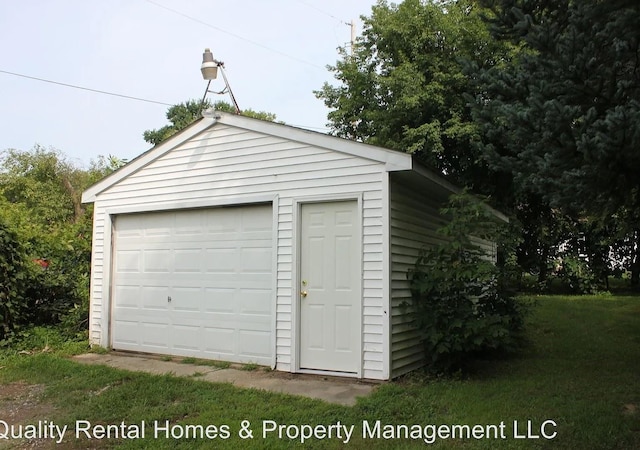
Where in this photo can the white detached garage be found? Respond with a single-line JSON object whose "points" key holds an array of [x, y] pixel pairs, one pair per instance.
{"points": [[254, 242]]}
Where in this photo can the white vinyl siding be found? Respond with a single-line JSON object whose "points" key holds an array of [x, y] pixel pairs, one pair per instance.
{"points": [[414, 219], [225, 165], [489, 248]]}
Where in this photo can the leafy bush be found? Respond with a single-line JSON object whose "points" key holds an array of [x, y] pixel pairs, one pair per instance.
{"points": [[40, 192], [59, 294], [11, 280], [460, 305], [577, 277]]}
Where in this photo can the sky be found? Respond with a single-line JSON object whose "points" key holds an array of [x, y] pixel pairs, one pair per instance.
{"points": [[275, 54]]}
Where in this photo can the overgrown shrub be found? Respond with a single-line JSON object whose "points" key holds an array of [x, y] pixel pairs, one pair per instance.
{"points": [[461, 306], [577, 277], [12, 280], [47, 276], [58, 294]]}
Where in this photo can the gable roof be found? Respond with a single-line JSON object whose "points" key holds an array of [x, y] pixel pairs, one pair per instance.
{"points": [[392, 159]]}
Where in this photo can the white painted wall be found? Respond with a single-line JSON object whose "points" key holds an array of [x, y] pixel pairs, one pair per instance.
{"points": [[228, 165]]}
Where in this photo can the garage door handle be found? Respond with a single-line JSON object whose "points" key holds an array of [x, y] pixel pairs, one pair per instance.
{"points": [[169, 299]]}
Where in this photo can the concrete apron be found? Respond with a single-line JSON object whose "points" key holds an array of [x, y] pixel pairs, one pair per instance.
{"points": [[342, 391]]}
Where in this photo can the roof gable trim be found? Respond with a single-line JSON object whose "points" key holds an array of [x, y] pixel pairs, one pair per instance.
{"points": [[89, 195], [393, 160]]}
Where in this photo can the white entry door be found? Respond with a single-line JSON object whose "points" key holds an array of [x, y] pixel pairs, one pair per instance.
{"points": [[330, 287]]}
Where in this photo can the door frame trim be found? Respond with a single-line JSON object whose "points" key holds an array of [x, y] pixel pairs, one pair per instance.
{"points": [[295, 278]]}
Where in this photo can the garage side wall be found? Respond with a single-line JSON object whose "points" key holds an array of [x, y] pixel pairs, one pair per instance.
{"points": [[414, 219], [227, 165]]}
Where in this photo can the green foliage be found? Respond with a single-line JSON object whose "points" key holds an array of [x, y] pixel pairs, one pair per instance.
{"points": [[40, 202], [535, 104], [43, 182], [577, 277], [46, 339], [403, 85], [184, 114], [12, 280], [563, 115], [461, 306]]}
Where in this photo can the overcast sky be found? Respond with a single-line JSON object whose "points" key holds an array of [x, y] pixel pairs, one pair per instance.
{"points": [[275, 53]]}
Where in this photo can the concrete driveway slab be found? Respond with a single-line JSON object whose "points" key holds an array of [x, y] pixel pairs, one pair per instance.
{"points": [[341, 391]]}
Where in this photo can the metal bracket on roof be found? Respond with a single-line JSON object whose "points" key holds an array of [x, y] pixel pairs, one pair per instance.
{"points": [[211, 113]]}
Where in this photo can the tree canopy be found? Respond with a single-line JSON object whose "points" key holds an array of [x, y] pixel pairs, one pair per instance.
{"points": [[564, 116], [532, 103], [184, 114], [403, 87]]}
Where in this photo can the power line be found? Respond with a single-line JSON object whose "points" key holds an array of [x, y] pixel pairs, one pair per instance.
{"points": [[349, 24], [323, 12], [44, 80], [237, 36], [129, 97]]}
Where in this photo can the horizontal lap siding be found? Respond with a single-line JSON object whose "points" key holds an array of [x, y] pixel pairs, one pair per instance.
{"points": [[414, 218], [488, 247], [227, 162]]}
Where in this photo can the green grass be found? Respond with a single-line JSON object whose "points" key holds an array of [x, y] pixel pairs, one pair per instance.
{"points": [[581, 369], [205, 362]]}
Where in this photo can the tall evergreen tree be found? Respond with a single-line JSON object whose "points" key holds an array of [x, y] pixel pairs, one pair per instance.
{"points": [[563, 116]]}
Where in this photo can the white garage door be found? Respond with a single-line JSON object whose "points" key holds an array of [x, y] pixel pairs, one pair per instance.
{"points": [[195, 283]]}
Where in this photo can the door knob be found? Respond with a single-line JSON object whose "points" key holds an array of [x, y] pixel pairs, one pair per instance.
{"points": [[304, 293]]}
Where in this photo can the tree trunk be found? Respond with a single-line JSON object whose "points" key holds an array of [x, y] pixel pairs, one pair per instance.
{"points": [[78, 210], [543, 271], [635, 260]]}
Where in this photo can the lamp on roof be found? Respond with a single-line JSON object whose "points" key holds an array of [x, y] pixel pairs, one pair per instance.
{"points": [[209, 69], [209, 66]]}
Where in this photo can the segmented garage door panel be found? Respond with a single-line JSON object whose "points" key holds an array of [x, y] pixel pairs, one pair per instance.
{"points": [[195, 283]]}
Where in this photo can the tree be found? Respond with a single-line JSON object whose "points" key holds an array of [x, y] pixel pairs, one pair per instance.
{"points": [[41, 215], [184, 114], [403, 87], [410, 84], [564, 115], [43, 181]]}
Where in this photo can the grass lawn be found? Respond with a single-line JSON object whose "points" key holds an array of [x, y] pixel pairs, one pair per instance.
{"points": [[581, 370]]}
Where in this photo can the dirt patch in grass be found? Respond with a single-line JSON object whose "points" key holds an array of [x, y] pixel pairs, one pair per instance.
{"points": [[24, 404], [21, 404]]}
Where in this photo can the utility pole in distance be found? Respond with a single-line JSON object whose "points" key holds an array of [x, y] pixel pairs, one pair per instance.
{"points": [[353, 35]]}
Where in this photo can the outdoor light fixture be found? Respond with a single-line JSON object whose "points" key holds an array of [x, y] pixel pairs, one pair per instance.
{"points": [[209, 66], [209, 71]]}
